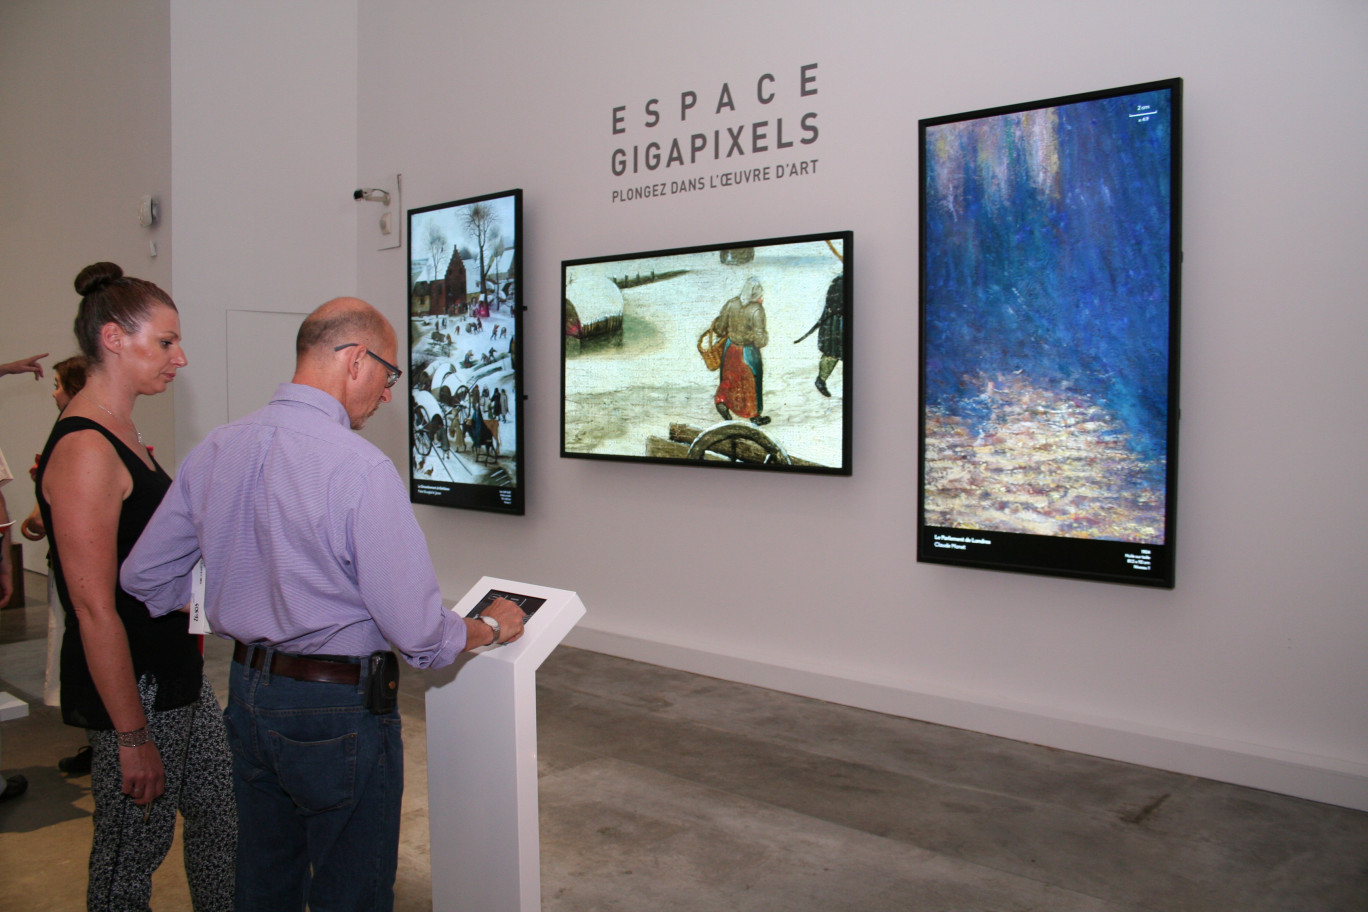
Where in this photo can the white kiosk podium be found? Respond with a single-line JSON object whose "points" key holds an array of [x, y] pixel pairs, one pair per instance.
{"points": [[482, 758]]}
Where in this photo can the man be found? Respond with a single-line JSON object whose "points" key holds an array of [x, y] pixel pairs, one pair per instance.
{"points": [[315, 565]]}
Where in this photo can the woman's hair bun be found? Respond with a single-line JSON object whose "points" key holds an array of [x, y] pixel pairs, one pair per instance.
{"points": [[96, 276]]}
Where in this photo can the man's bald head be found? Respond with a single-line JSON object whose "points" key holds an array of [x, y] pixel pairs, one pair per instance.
{"points": [[338, 322], [331, 355]]}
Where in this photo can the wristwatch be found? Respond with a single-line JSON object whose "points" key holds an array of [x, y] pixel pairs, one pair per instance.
{"points": [[493, 625]]}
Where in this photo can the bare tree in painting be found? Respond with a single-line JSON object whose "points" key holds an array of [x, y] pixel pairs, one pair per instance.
{"points": [[483, 224], [436, 241]]}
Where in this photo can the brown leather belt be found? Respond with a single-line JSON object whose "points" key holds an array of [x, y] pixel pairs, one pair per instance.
{"points": [[340, 670]]}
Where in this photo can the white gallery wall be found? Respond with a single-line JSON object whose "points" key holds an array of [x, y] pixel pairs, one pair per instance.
{"points": [[263, 107], [85, 133], [1251, 670]]}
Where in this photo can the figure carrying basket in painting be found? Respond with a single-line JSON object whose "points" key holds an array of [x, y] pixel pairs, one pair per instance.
{"points": [[740, 328]]}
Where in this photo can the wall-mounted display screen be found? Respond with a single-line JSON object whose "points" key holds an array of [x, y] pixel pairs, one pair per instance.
{"points": [[1050, 255], [465, 365], [733, 354]]}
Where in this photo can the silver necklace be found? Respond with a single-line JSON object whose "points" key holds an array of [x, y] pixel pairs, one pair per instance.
{"points": [[127, 421]]}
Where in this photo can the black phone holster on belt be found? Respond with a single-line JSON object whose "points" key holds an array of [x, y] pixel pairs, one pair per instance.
{"points": [[382, 682]]}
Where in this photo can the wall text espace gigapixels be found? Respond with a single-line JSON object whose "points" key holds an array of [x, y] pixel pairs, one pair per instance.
{"points": [[723, 140]]}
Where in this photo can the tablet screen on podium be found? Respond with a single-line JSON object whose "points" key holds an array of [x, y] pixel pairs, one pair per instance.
{"points": [[528, 603]]}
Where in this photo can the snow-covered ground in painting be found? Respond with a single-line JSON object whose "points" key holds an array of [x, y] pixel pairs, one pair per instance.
{"points": [[456, 462]]}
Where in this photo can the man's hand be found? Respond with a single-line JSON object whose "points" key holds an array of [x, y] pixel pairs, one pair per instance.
{"points": [[509, 616], [28, 365]]}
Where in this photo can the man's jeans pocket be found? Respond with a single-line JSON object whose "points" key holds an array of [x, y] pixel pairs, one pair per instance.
{"points": [[318, 775]]}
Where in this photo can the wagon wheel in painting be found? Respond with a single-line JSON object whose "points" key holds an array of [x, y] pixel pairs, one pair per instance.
{"points": [[437, 430], [722, 439], [422, 439]]}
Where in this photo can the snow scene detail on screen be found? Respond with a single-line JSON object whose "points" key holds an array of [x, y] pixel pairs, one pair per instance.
{"points": [[772, 316]]}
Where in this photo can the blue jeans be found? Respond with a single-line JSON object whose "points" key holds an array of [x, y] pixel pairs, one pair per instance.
{"points": [[319, 781]]}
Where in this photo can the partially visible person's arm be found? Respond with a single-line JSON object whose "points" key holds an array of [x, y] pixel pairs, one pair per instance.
{"points": [[759, 329], [509, 617], [157, 570], [27, 365], [399, 585], [6, 580], [32, 526], [85, 486]]}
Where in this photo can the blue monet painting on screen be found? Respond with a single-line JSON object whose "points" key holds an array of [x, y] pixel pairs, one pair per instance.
{"points": [[1046, 320]]}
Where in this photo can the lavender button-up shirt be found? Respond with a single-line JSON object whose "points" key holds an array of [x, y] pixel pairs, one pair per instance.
{"points": [[309, 542]]}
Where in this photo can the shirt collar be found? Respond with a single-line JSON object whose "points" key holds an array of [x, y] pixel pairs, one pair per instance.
{"points": [[314, 397]]}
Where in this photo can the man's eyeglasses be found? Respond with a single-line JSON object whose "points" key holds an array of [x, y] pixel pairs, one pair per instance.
{"points": [[393, 372]]}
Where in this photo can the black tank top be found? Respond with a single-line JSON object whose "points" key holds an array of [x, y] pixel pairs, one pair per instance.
{"points": [[161, 647]]}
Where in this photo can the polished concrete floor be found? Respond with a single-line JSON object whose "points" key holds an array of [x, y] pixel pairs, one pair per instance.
{"points": [[661, 790]]}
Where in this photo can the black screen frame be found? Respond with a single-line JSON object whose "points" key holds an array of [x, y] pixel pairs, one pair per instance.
{"points": [[477, 450], [777, 355], [1116, 560]]}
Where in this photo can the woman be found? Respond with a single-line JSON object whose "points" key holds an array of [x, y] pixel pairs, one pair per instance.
{"points": [[68, 378], [135, 683], [741, 389]]}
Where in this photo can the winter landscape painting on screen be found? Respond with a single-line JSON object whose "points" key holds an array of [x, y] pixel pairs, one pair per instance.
{"points": [[774, 315], [464, 315]]}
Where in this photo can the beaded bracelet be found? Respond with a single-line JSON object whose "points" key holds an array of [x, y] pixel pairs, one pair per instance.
{"points": [[136, 738]]}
